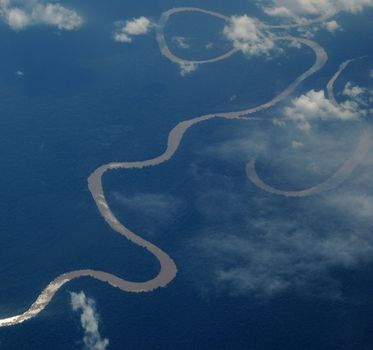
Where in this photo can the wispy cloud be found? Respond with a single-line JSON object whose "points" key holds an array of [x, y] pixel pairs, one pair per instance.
{"points": [[89, 320], [280, 254], [261, 246], [181, 42], [156, 209]]}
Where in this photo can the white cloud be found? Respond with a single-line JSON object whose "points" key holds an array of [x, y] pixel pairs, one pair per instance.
{"points": [[296, 144], [258, 244], [58, 16], [89, 321], [362, 95], [17, 18], [135, 27], [38, 13], [247, 35], [353, 90], [181, 42], [280, 11], [332, 26], [122, 38], [187, 68], [319, 7], [209, 46], [314, 105]]}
